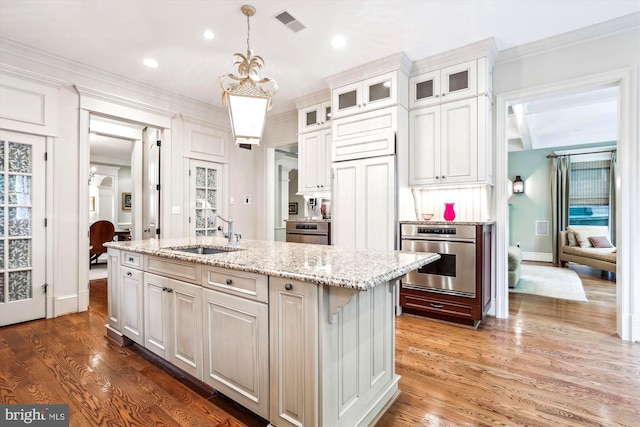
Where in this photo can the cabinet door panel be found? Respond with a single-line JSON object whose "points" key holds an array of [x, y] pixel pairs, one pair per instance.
{"points": [[459, 81], [156, 321], [113, 289], [132, 308], [293, 321], [424, 146], [424, 89], [186, 314], [236, 349], [460, 141]]}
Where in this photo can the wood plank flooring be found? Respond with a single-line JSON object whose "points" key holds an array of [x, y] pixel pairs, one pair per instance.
{"points": [[552, 363]]}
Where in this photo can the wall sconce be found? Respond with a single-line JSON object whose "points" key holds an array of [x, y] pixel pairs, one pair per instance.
{"points": [[518, 185]]}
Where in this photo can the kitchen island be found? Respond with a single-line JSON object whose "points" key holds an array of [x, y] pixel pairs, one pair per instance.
{"points": [[299, 334]]}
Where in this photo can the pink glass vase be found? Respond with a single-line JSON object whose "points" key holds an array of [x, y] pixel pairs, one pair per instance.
{"points": [[449, 213]]}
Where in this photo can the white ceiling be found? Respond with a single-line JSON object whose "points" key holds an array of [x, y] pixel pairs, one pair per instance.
{"points": [[116, 35]]}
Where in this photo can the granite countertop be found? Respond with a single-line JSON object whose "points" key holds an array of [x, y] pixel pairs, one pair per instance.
{"points": [[352, 268], [432, 222], [309, 220]]}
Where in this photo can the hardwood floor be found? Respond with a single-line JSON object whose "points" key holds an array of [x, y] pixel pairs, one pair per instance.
{"points": [[553, 362]]}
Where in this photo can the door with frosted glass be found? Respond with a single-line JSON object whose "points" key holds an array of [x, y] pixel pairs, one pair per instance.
{"points": [[205, 197], [22, 229]]}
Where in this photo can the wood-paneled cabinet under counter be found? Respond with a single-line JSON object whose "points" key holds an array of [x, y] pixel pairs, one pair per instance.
{"points": [[314, 162], [454, 308], [451, 143], [173, 322], [236, 336]]}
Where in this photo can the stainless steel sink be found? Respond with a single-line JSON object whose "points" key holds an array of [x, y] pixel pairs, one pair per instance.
{"points": [[201, 250]]}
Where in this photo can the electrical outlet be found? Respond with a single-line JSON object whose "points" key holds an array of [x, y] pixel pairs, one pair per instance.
{"points": [[247, 200], [232, 200]]}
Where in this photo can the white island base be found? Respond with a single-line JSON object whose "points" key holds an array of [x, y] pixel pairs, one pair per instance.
{"points": [[332, 354]]}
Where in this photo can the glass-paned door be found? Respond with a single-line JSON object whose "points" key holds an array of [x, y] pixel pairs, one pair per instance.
{"points": [[205, 198], [22, 231]]}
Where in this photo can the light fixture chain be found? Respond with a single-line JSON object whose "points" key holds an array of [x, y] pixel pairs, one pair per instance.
{"points": [[248, 33]]}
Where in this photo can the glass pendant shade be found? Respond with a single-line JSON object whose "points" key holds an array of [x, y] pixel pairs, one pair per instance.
{"points": [[247, 115]]}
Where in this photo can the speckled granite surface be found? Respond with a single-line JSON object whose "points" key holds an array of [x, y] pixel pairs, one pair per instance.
{"points": [[308, 220], [447, 222], [352, 268]]}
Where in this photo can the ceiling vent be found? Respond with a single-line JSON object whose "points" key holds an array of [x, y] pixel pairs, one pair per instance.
{"points": [[290, 22]]}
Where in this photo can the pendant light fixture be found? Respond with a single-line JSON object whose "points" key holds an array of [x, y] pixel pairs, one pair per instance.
{"points": [[247, 94]]}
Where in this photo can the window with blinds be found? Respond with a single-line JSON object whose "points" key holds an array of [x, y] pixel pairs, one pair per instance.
{"points": [[589, 193]]}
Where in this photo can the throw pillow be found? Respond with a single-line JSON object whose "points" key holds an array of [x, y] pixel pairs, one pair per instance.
{"points": [[600, 242], [582, 234], [572, 238]]}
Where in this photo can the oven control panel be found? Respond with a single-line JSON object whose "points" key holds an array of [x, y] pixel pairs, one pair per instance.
{"points": [[441, 231]]}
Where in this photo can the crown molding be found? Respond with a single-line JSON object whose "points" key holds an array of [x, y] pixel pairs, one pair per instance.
{"points": [[125, 102], [483, 48], [74, 68], [29, 75], [283, 117], [609, 28], [396, 62], [319, 97], [207, 123]]}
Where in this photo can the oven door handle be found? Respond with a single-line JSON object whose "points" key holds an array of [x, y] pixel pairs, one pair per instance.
{"points": [[438, 239]]}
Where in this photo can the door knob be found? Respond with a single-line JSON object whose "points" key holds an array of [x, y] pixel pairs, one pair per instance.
{"points": [[288, 286]]}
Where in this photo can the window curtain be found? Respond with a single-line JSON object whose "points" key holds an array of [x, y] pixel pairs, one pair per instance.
{"points": [[560, 173], [612, 196]]}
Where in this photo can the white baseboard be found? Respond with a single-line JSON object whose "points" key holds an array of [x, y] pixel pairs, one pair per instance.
{"points": [[65, 305], [537, 256]]}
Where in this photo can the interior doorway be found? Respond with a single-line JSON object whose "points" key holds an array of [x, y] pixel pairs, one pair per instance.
{"points": [[624, 118], [285, 187]]}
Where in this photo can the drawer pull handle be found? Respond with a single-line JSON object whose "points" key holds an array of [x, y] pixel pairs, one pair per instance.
{"points": [[129, 274], [229, 281], [436, 305], [164, 289], [169, 290], [288, 286], [130, 259]]}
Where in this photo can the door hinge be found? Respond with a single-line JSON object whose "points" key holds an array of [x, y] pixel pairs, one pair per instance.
{"points": [[157, 231], [158, 187], [189, 172], [45, 286], [45, 222], [189, 220], [159, 143], [46, 156]]}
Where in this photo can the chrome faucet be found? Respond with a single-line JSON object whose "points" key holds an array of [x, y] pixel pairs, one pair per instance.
{"points": [[229, 234]]}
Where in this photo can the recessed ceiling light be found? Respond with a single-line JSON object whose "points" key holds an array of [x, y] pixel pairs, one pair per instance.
{"points": [[150, 62], [208, 34], [338, 41]]}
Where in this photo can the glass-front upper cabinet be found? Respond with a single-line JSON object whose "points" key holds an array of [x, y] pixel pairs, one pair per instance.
{"points": [[314, 117], [448, 84], [366, 95]]}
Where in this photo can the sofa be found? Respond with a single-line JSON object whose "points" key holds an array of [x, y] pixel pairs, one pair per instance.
{"points": [[514, 258], [587, 245]]}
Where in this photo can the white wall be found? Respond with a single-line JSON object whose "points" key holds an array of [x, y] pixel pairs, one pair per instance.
{"points": [[583, 56]]}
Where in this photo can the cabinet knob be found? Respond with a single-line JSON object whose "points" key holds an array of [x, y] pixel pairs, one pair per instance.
{"points": [[169, 290], [129, 274], [443, 94], [437, 96], [288, 286], [443, 177], [229, 281], [164, 289]]}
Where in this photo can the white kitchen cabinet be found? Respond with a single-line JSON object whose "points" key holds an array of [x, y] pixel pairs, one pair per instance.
{"points": [[113, 293], [368, 134], [367, 95], [132, 304], [293, 313], [314, 162], [314, 117], [236, 349], [173, 322], [364, 203], [448, 84], [451, 143]]}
